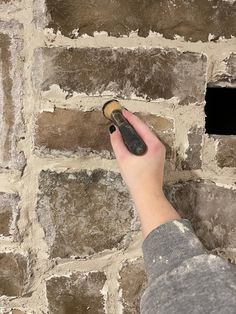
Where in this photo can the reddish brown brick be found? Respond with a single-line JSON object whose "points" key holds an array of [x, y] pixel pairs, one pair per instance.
{"points": [[13, 274], [163, 128], [146, 73], [84, 212], [120, 17], [133, 282], [210, 208], [73, 131], [8, 207], [77, 293], [226, 151], [11, 122]]}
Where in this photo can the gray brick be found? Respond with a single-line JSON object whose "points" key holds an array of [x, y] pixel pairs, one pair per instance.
{"points": [[193, 20], [8, 209], [226, 151], [133, 281], [78, 293], [13, 274], [146, 73], [84, 212], [11, 121], [210, 208]]}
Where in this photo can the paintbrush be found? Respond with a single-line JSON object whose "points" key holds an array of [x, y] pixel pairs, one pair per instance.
{"points": [[112, 110]]}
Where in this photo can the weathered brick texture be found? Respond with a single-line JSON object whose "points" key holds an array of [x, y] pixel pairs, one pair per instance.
{"points": [[60, 189], [13, 274], [226, 151], [210, 208], [8, 209], [77, 293], [194, 150], [225, 73], [147, 73], [193, 20], [11, 123], [73, 131], [133, 282], [84, 212]]}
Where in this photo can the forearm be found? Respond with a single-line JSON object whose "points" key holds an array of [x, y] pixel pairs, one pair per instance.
{"points": [[153, 209]]}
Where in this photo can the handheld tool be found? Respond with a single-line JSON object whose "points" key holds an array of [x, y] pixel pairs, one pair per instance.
{"points": [[112, 110]]}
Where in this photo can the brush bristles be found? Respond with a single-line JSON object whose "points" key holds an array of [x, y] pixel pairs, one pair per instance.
{"points": [[109, 107]]}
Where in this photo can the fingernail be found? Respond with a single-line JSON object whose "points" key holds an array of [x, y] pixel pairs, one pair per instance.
{"points": [[112, 129]]}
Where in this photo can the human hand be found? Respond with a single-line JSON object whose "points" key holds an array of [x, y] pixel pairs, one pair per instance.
{"points": [[142, 174]]}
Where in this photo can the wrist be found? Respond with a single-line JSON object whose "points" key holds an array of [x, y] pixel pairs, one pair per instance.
{"points": [[147, 192]]}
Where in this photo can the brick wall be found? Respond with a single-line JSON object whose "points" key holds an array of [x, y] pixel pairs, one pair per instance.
{"points": [[70, 240]]}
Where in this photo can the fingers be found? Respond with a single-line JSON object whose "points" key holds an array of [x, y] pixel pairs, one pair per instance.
{"points": [[142, 129], [118, 145]]}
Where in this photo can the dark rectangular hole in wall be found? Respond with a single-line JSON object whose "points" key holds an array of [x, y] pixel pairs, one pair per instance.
{"points": [[220, 110]]}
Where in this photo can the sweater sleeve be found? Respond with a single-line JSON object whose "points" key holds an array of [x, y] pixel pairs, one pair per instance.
{"points": [[182, 276]]}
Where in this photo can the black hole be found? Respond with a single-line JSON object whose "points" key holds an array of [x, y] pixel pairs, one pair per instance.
{"points": [[220, 111]]}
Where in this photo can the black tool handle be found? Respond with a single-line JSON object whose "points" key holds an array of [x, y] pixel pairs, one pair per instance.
{"points": [[132, 140]]}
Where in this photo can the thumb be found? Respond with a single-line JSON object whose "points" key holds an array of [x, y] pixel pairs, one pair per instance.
{"points": [[117, 143]]}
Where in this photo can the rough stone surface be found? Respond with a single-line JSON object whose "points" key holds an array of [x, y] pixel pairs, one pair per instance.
{"points": [[210, 208], [224, 75], [133, 282], [8, 208], [126, 73], [193, 20], [11, 123], [193, 160], [226, 151], [83, 213], [13, 274], [78, 293], [231, 67], [73, 130], [163, 128]]}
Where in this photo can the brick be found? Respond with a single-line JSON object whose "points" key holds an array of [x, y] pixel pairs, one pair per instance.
{"points": [[8, 209], [226, 151], [210, 208], [161, 72], [11, 122], [193, 159], [163, 128], [133, 282], [224, 73], [84, 212], [73, 131], [78, 293], [13, 274], [168, 17]]}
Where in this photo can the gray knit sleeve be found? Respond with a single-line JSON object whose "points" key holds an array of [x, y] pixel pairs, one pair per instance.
{"points": [[182, 276]]}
